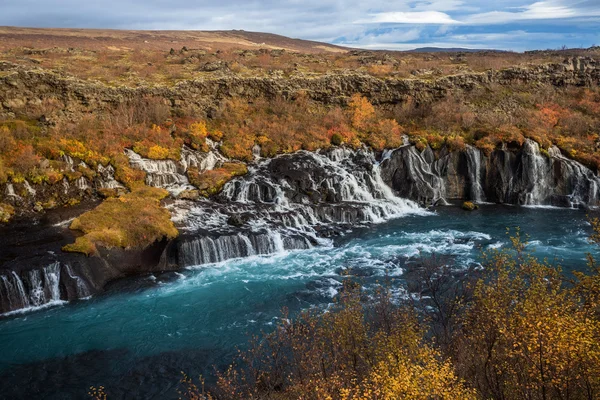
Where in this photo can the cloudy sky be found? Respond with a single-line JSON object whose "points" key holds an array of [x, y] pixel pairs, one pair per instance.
{"points": [[388, 24]]}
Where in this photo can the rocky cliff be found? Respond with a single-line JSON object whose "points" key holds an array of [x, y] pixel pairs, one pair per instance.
{"points": [[521, 176], [21, 87]]}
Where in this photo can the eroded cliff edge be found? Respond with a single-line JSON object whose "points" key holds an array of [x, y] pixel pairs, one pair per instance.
{"points": [[21, 87]]}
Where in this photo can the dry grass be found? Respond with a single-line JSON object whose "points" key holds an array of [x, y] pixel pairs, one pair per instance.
{"points": [[167, 57]]}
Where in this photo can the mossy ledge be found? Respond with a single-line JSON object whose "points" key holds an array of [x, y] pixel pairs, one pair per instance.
{"points": [[133, 220], [211, 182]]}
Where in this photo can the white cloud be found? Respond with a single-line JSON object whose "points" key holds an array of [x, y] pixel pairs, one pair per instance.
{"points": [[385, 38], [416, 17], [541, 10]]}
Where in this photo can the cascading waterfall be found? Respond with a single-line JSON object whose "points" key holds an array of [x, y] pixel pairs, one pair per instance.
{"points": [[81, 288], [10, 191], [201, 161], [535, 173], [169, 174], [82, 183], [290, 201], [38, 287], [106, 178], [474, 168], [12, 292], [584, 184], [160, 173], [256, 149], [32, 192], [206, 250]]}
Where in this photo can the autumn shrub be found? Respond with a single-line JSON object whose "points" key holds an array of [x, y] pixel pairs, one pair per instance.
{"points": [[526, 334], [356, 350], [455, 142], [362, 112]]}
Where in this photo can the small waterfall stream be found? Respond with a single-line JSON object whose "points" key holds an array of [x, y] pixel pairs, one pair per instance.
{"points": [[475, 175], [39, 287]]}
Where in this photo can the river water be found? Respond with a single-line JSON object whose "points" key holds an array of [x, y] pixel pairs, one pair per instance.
{"points": [[138, 337]]}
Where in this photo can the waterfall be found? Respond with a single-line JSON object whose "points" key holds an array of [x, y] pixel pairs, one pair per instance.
{"points": [[65, 185], [579, 183], [535, 173], [10, 191], [160, 173], [81, 287], [289, 202], [29, 189], [69, 161], [474, 171], [40, 287], [170, 174], [206, 250], [106, 178], [201, 161], [256, 149], [81, 183], [12, 292]]}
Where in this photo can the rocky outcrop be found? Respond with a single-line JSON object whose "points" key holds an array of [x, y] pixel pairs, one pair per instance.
{"points": [[21, 87], [524, 176], [34, 272]]}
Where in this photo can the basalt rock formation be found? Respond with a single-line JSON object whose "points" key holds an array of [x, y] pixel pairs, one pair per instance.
{"points": [[524, 176], [21, 87], [34, 272]]}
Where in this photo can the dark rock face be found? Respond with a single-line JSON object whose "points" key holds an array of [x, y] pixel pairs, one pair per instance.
{"points": [[35, 272], [522, 177]]}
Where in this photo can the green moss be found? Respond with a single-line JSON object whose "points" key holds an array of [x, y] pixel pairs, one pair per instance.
{"points": [[133, 220], [72, 202], [90, 174], [73, 175], [337, 139], [189, 195], [107, 193], [211, 182]]}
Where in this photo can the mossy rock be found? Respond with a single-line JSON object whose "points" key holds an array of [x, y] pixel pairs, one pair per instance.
{"points": [[211, 182], [189, 195], [133, 220], [469, 206]]}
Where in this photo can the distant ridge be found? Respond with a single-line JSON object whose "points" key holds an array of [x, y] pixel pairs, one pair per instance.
{"points": [[101, 39], [451, 50]]}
